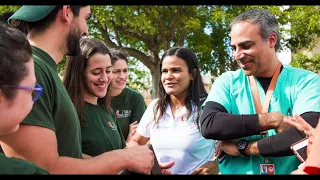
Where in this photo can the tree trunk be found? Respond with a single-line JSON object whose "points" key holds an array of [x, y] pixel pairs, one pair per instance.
{"points": [[155, 73]]}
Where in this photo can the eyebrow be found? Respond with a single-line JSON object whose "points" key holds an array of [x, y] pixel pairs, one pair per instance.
{"points": [[243, 43], [120, 68], [174, 68], [99, 68]]}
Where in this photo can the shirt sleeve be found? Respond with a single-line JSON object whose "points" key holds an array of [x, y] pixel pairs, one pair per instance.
{"points": [[220, 92], [139, 107], [145, 124], [307, 94]]}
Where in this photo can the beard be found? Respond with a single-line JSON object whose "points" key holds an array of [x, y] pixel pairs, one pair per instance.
{"points": [[73, 41]]}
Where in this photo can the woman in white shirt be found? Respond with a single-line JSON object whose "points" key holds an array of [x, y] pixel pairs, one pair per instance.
{"points": [[171, 122]]}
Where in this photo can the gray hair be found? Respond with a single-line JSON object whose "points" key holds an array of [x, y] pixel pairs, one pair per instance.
{"points": [[264, 19]]}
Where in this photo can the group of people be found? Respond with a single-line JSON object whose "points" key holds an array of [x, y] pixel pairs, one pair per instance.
{"points": [[91, 123]]}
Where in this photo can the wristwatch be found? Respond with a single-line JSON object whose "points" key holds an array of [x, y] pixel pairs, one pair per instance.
{"points": [[242, 145]]}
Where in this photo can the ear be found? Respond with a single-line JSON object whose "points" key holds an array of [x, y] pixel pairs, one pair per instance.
{"points": [[66, 14], [195, 71], [273, 40]]}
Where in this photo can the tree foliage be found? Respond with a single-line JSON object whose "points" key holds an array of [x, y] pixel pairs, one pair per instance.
{"points": [[145, 32], [304, 62]]}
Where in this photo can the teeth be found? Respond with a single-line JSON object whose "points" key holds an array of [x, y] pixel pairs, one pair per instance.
{"points": [[101, 86]]}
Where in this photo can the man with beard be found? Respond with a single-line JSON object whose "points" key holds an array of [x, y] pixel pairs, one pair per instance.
{"points": [[245, 108], [50, 134]]}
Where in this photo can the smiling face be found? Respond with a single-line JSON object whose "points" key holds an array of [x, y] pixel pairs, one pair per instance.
{"points": [[175, 76], [12, 112], [120, 74], [97, 77], [250, 51]]}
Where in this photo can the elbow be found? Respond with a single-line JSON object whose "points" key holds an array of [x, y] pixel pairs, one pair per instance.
{"points": [[208, 130]]}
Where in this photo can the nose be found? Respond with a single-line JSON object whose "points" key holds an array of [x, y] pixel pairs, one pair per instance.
{"points": [[86, 32], [169, 75], [104, 77], [238, 54], [122, 75]]}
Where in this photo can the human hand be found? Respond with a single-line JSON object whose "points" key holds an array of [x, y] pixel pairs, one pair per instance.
{"points": [[132, 130], [278, 119], [209, 168], [141, 159], [165, 167], [299, 170], [230, 147], [272, 120], [218, 151], [298, 122]]}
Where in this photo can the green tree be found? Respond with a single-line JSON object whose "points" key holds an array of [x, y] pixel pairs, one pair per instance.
{"points": [[304, 62], [144, 32]]}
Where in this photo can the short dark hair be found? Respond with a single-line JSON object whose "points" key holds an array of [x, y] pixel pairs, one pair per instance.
{"points": [[45, 23], [267, 23], [74, 76], [15, 52]]}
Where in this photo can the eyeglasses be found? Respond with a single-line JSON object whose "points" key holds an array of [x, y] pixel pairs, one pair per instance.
{"points": [[36, 91]]}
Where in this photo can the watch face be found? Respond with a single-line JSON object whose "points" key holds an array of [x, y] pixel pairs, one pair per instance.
{"points": [[242, 144]]}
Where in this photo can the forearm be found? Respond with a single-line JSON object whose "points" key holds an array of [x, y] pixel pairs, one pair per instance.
{"points": [[217, 124], [85, 156], [279, 144], [108, 163]]}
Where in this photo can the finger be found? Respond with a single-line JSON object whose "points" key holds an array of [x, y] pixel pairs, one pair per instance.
{"points": [[133, 131], [166, 165], [135, 122], [197, 171], [134, 126], [304, 124], [291, 121]]}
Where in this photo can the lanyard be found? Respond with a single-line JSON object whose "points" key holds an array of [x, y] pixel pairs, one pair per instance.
{"points": [[255, 93]]}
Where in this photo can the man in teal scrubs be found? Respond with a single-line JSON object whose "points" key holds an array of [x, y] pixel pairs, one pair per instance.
{"points": [[245, 108]]}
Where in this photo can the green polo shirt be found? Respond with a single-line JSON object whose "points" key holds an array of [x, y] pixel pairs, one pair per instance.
{"points": [[101, 133], [18, 166], [129, 106], [54, 109]]}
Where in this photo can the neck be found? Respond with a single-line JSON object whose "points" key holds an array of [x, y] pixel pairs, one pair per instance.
{"points": [[115, 92], [270, 70], [52, 41], [177, 101], [90, 99]]}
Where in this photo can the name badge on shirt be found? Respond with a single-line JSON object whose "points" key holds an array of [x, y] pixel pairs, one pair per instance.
{"points": [[267, 169]]}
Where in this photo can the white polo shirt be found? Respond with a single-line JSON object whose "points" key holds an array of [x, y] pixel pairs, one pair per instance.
{"points": [[176, 139]]}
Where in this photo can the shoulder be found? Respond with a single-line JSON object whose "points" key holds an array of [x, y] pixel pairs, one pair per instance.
{"points": [[298, 75], [133, 93], [230, 78]]}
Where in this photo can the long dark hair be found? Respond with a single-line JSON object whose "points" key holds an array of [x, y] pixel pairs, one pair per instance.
{"points": [[74, 77], [15, 52], [196, 92]]}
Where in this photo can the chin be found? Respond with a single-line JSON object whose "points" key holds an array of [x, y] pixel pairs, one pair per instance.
{"points": [[247, 72]]}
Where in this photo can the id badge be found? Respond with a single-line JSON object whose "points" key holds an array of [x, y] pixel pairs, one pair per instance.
{"points": [[267, 169]]}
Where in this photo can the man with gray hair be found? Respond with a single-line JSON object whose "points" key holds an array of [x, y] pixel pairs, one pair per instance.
{"points": [[245, 108]]}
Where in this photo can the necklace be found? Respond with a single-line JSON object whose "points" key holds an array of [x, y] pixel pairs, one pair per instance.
{"points": [[177, 107]]}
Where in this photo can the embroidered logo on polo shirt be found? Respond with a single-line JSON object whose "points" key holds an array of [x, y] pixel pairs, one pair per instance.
{"points": [[113, 127], [123, 114]]}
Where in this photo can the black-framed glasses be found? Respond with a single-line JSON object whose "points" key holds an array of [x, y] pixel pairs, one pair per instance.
{"points": [[36, 91]]}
